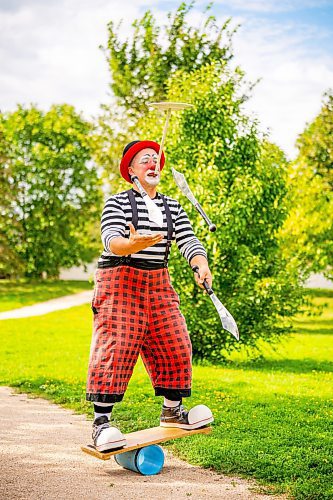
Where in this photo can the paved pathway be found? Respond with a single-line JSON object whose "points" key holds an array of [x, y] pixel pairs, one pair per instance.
{"points": [[41, 308], [40, 458]]}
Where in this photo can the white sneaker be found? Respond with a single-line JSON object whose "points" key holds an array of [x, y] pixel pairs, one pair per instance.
{"points": [[197, 417], [106, 437]]}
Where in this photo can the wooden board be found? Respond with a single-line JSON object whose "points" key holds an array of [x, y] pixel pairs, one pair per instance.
{"points": [[146, 437]]}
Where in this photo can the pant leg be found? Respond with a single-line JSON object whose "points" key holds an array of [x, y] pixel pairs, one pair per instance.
{"points": [[120, 321], [166, 350]]}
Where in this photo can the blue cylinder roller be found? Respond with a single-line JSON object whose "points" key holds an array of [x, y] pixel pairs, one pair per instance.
{"points": [[147, 461]]}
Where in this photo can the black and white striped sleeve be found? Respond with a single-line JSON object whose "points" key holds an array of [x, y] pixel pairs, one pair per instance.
{"points": [[187, 242], [113, 222]]}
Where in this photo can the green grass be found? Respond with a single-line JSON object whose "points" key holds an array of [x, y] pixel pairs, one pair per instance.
{"points": [[273, 416], [21, 293]]}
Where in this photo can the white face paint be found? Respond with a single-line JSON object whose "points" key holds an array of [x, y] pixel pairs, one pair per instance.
{"points": [[150, 177], [143, 166], [146, 158]]}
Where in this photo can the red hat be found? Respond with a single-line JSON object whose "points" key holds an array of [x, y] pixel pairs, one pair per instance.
{"points": [[131, 150]]}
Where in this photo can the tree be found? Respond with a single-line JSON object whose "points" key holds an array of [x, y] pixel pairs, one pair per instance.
{"points": [[48, 156], [241, 181], [141, 67], [307, 234], [227, 162], [10, 264], [315, 143]]}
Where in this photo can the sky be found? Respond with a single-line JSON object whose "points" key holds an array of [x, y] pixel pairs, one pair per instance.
{"points": [[50, 53]]}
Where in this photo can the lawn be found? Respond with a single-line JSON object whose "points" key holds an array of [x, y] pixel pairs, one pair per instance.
{"points": [[25, 293], [273, 416]]}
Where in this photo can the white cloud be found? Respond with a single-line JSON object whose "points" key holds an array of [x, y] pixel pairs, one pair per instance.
{"points": [[293, 77], [271, 6], [49, 54], [49, 51]]}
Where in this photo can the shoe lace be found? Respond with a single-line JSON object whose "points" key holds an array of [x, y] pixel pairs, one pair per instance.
{"points": [[99, 428], [104, 426], [180, 410]]}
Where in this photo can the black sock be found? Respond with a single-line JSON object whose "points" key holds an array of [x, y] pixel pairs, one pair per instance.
{"points": [[104, 410]]}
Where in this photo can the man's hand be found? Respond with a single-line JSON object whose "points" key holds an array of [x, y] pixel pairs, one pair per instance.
{"points": [[136, 242], [139, 242], [203, 271]]}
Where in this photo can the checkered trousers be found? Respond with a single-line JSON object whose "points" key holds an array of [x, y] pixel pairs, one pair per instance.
{"points": [[137, 312]]}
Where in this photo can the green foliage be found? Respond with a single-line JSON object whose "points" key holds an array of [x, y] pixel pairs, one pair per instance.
{"points": [[9, 224], [315, 143], [241, 182], [307, 235], [273, 416], [56, 196], [140, 67]]}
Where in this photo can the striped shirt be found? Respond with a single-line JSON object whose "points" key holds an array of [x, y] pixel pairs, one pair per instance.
{"points": [[117, 213]]}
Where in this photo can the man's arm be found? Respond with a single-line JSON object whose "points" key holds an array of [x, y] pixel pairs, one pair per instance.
{"points": [[191, 248]]}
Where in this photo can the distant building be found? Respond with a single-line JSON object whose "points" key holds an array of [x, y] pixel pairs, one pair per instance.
{"points": [[318, 281], [78, 273]]}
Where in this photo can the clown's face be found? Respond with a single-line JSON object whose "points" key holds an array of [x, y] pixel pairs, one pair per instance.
{"points": [[143, 166]]}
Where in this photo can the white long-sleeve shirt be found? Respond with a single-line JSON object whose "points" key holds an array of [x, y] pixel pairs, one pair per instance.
{"points": [[117, 213]]}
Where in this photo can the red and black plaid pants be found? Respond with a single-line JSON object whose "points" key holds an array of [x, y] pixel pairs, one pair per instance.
{"points": [[137, 312]]}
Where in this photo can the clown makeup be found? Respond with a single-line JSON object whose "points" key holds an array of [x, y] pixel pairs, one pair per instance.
{"points": [[146, 158], [150, 176], [143, 166]]}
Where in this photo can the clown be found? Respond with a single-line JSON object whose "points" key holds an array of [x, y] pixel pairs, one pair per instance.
{"points": [[136, 310]]}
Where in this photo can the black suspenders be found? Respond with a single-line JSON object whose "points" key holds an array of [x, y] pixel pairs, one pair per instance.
{"points": [[170, 230], [134, 208], [135, 219]]}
